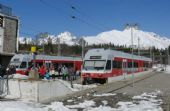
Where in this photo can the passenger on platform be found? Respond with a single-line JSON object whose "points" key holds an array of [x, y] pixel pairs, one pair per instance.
{"points": [[28, 70], [42, 72], [59, 71], [64, 71], [2, 70], [70, 73], [77, 74], [47, 74], [13, 69], [52, 73]]}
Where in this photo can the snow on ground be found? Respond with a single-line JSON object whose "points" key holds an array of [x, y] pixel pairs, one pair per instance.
{"points": [[143, 102], [18, 106], [160, 67], [86, 105], [167, 69], [77, 87], [105, 94], [20, 76]]}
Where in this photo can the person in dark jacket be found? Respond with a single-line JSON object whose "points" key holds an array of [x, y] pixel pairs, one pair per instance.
{"points": [[2, 70]]}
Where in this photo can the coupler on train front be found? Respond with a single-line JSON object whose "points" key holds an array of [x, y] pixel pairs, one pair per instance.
{"points": [[88, 80]]}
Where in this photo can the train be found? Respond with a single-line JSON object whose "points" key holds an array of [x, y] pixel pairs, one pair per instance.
{"points": [[23, 61], [101, 64]]}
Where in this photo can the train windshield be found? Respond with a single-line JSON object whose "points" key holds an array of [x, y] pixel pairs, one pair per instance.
{"points": [[94, 64], [16, 64]]}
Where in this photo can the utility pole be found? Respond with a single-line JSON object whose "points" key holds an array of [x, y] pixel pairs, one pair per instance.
{"points": [[132, 26], [168, 54], [151, 53], [138, 46], [43, 36], [83, 45], [161, 58], [59, 47]]}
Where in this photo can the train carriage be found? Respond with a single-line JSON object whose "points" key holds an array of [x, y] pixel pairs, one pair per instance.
{"points": [[101, 64], [23, 61]]}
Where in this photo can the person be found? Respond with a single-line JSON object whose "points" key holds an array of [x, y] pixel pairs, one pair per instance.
{"points": [[47, 74], [59, 71], [78, 74], [70, 73], [64, 71], [28, 70], [13, 69], [2, 71], [52, 73], [42, 72]]}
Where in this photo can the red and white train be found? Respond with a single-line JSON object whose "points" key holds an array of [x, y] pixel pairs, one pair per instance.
{"points": [[23, 61], [101, 64]]}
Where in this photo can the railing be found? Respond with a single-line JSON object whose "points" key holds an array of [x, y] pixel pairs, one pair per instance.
{"points": [[3, 87]]}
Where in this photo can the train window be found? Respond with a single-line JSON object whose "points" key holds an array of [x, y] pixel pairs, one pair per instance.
{"points": [[117, 64], [93, 65], [108, 65], [135, 64], [114, 64], [129, 64], [23, 65]]}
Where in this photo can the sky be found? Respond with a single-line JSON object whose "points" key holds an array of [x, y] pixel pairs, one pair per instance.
{"points": [[90, 17]]}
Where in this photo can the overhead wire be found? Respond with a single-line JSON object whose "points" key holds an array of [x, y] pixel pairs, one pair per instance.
{"points": [[77, 9], [66, 14]]}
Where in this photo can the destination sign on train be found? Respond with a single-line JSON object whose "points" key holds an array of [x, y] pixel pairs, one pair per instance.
{"points": [[95, 57]]}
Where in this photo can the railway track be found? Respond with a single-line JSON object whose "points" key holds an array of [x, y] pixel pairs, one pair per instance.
{"points": [[126, 84], [107, 88]]}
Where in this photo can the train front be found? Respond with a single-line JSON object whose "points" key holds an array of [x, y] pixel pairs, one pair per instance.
{"points": [[96, 66]]}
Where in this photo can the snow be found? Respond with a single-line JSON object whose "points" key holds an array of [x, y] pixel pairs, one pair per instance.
{"points": [[85, 104], [167, 71], [27, 40], [143, 102], [18, 106], [105, 94], [57, 106], [147, 39], [77, 87], [19, 76], [105, 102], [159, 67]]}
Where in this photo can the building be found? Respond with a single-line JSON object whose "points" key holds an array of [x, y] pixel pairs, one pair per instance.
{"points": [[8, 34]]}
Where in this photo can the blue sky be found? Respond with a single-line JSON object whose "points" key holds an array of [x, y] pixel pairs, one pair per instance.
{"points": [[92, 16]]}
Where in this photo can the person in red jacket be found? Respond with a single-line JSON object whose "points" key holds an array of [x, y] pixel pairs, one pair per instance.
{"points": [[42, 72]]}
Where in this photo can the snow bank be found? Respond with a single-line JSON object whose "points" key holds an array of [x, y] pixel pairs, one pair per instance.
{"points": [[19, 76], [56, 106], [85, 104], [167, 69], [77, 87], [105, 94], [18, 106], [143, 102]]}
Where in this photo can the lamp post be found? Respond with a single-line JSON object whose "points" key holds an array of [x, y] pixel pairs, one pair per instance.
{"points": [[131, 27], [43, 35], [168, 54]]}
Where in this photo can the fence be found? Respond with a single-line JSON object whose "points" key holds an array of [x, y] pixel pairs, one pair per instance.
{"points": [[3, 87]]}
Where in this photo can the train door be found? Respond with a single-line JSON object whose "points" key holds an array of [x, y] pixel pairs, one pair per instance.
{"points": [[124, 68], [48, 64]]}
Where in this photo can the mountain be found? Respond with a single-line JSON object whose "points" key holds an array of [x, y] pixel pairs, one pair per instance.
{"points": [[146, 39], [25, 40]]}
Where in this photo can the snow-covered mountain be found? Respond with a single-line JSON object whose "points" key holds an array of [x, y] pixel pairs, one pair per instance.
{"points": [[146, 39], [25, 40]]}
